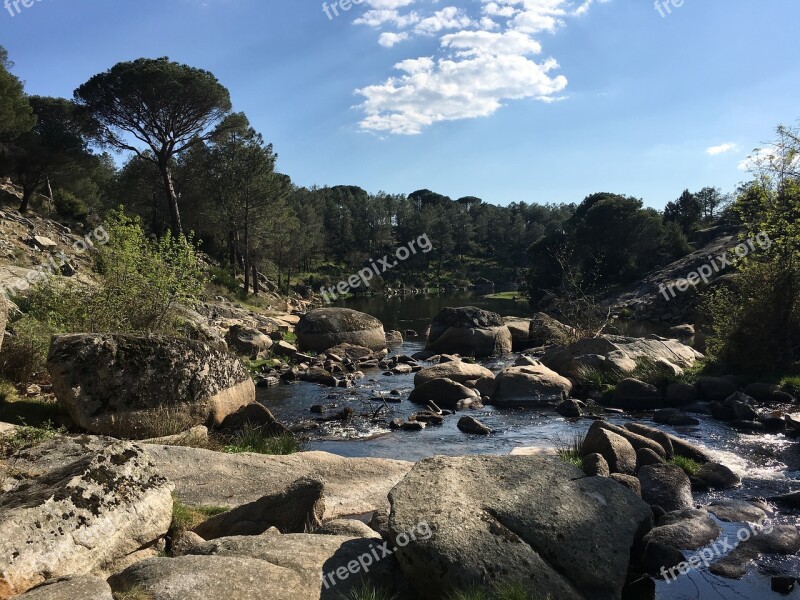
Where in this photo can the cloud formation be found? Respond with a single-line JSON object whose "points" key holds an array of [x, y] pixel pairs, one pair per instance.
{"points": [[483, 60], [721, 149]]}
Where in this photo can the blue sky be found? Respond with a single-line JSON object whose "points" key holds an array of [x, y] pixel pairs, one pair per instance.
{"points": [[508, 100]]}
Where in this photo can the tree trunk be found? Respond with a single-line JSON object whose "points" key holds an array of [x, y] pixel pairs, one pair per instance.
{"points": [[27, 194], [172, 197], [246, 257], [255, 280]]}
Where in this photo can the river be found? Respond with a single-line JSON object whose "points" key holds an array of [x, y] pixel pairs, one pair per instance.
{"points": [[769, 464]]}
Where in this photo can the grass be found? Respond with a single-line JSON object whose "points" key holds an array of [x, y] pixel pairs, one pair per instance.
{"points": [[258, 440], [368, 591], [501, 591], [646, 370], [27, 437], [689, 466], [791, 385], [162, 422], [515, 296], [571, 451], [134, 593], [186, 518], [255, 366]]}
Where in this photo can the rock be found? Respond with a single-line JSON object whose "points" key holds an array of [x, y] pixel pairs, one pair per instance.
{"points": [[777, 539], [469, 331], [290, 510], [472, 425], [618, 452], [768, 392], [667, 368], [126, 386], [184, 542], [645, 456], [82, 587], [675, 418], [43, 243], [525, 386], [666, 486], [660, 557], [632, 394], [782, 584], [520, 333], [716, 388], [77, 518], [678, 446], [683, 331], [457, 370], [196, 436], [570, 409], [681, 394], [247, 341], [254, 415], [324, 328], [736, 511], [629, 481], [742, 406], [637, 441], [394, 339], [523, 515], [283, 348], [594, 465], [718, 476], [689, 529], [546, 331], [3, 317], [348, 527], [444, 392], [414, 426], [318, 375], [791, 499]]}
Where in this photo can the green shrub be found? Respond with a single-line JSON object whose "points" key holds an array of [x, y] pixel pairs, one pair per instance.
{"points": [[26, 437], [258, 440], [690, 467], [223, 277], [69, 205], [571, 451], [24, 352]]}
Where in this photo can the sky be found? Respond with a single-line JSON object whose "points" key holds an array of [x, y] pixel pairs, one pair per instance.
{"points": [[507, 100]]}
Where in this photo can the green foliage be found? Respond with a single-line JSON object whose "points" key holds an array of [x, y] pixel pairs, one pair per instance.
{"points": [[223, 277], [500, 591], [133, 593], [571, 451], [368, 591], [142, 283], [186, 517], [791, 385], [259, 441], [69, 205], [686, 211], [24, 352], [24, 437], [8, 392], [16, 114], [691, 467]]}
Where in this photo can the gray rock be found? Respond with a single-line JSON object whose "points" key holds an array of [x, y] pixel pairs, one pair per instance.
{"points": [[472, 425], [76, 518], [457, 370], [618, 452], [446, 393], [736, 511], [681, 394], [637, 441], [523, 515], [629, 481], [83, 587], [780, 539], [689, 529], [716, 388], [247, 341], [570, 409], [675, 418], [394, 339], [533, 385], [469, 331], [645, 457], [679, 446], [324, 328], [594, 465], [348, 528], [291, 510], [126, 386], [632, 394], [196, 436], [254, 415], [283, 348], [666, 486], [3, 317], [718, 476], [659, 557]]}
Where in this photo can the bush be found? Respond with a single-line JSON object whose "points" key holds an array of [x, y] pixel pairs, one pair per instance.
{"points": [[259, 441], [24, 352], [69, 205], [141, 283]]}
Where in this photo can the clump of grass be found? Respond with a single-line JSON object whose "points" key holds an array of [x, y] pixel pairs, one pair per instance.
{"points": [[791, 385], [27, 437], [161, 422], [590, 377], [8, 393], [690, 467], [571, 451], [134, 593], [259, 440], [186, 518], [368, 591], [500, 591]]}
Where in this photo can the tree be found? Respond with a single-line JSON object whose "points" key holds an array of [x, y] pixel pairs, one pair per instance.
{"points": [[54, 147], [712, 202], [16, 113], [157, 109], [686, 211]]}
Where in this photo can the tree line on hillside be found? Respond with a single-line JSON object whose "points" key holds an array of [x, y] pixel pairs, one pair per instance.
{"points": [[194, 165]]}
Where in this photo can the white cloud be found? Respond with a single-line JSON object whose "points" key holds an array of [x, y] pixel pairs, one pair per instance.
{"points": [[770, 157], [482, 62], [721, 149], [388, 39]]}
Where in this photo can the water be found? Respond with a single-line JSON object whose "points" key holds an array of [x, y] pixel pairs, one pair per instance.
{"points": [[768, 464]]}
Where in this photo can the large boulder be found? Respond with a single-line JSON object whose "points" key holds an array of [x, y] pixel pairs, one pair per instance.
{"points": [[456, 370], [3, 316], [615, 449], [530, 385], [666, 486], [247, 341], [324, 328], [446, 393], [81, 517], [539, 330], [632, 394], [127, 386], [469, 331], [83, 587], [515, 518]]}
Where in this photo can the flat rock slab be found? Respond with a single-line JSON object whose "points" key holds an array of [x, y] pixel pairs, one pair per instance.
{"points": [[353, 486], [515, 518], [83, 587]]}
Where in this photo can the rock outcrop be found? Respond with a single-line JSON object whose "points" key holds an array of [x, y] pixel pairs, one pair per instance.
{"points": [[469, 331], [126, 386], [530, 386], [324, 328]]}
